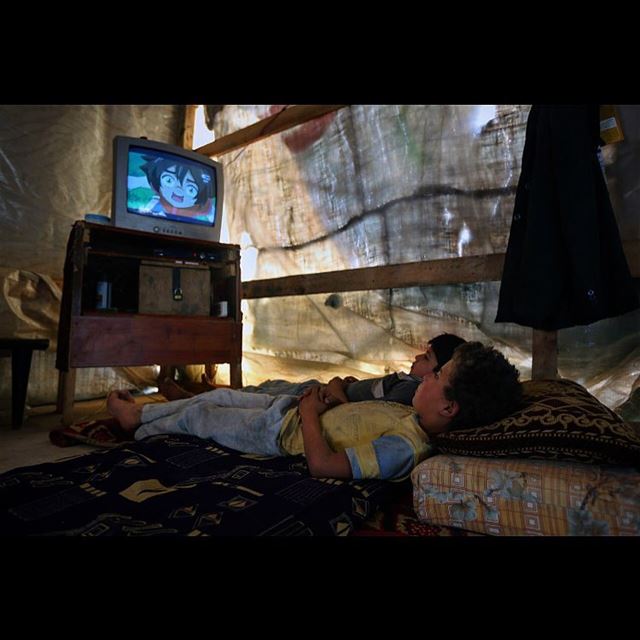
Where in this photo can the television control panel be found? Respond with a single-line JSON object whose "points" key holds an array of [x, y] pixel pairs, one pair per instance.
{"points": [[172, 231], [184, 253]]}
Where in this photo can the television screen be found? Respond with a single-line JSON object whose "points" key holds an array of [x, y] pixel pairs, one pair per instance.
{"points": [[165, 189], [163, 185]]}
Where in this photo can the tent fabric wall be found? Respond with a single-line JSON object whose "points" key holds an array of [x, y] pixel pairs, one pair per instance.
{"points": [[375, 185], [55, 167]]}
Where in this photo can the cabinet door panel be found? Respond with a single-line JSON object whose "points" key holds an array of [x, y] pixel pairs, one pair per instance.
{"points": [[138, 340]]}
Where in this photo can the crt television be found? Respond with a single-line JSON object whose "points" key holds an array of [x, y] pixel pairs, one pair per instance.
{"points": [[165, 189]]}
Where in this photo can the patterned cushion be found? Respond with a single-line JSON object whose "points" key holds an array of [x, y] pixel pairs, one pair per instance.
{"points": [[511, 497], [398, 519], [559, 420]]}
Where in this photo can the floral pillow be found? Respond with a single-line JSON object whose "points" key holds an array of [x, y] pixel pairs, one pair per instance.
{"points": [[559, 420], [513, 497]]}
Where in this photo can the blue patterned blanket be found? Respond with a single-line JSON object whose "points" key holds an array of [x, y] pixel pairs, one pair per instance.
{"points": [[182, 486]]}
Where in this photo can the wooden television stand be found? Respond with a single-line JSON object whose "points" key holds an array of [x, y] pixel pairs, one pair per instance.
{"points": [[164, 304]]}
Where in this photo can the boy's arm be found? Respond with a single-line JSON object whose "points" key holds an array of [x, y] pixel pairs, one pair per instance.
{"points": [[401, 392], [323, 462]]}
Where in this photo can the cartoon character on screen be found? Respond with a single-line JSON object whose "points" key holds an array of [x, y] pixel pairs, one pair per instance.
{"points": [[183, 191]]}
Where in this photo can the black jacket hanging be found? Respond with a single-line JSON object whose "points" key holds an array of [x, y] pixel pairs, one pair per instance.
{"points": [[564, 264]]}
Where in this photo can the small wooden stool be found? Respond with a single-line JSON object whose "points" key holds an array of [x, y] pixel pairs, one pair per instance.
{"points": [[20, 351]]}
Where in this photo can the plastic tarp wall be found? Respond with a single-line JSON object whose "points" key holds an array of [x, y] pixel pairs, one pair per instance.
{"points": [[56, 166], [380, 185]]}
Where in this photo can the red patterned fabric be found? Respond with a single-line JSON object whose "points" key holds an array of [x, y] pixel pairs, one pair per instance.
{"points": [[99, 433], [400, 520]]}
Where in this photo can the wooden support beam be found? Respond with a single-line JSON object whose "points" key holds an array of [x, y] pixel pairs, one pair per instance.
{"points": [[189, 125], [278, 122], [545, 355], [446, 271]]}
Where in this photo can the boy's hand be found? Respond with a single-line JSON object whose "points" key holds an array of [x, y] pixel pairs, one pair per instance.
{"points": [[311, 403], [334, 393], [325, 394], [336, 383]]}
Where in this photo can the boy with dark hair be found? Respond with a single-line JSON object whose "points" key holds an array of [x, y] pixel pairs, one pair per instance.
{"points": [[400, 387], [485, 386], [368, 439], [394, 387]]}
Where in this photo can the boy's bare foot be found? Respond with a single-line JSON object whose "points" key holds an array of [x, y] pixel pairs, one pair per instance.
{"points": [[123, 394], [199, 387], [206, 381], [121, 405], [172, 390]]}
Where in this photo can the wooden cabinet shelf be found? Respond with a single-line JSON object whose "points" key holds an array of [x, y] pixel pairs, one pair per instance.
{"points": [[165, 299]]}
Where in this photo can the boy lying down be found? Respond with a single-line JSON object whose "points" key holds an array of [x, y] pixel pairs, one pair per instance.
{"points": [[394, 387], [368, 439]]}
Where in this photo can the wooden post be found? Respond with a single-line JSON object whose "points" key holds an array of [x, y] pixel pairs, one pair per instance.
{"points": [[66, 394], [210, 371], [235, 374], [545, 355], [189, 125]]}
